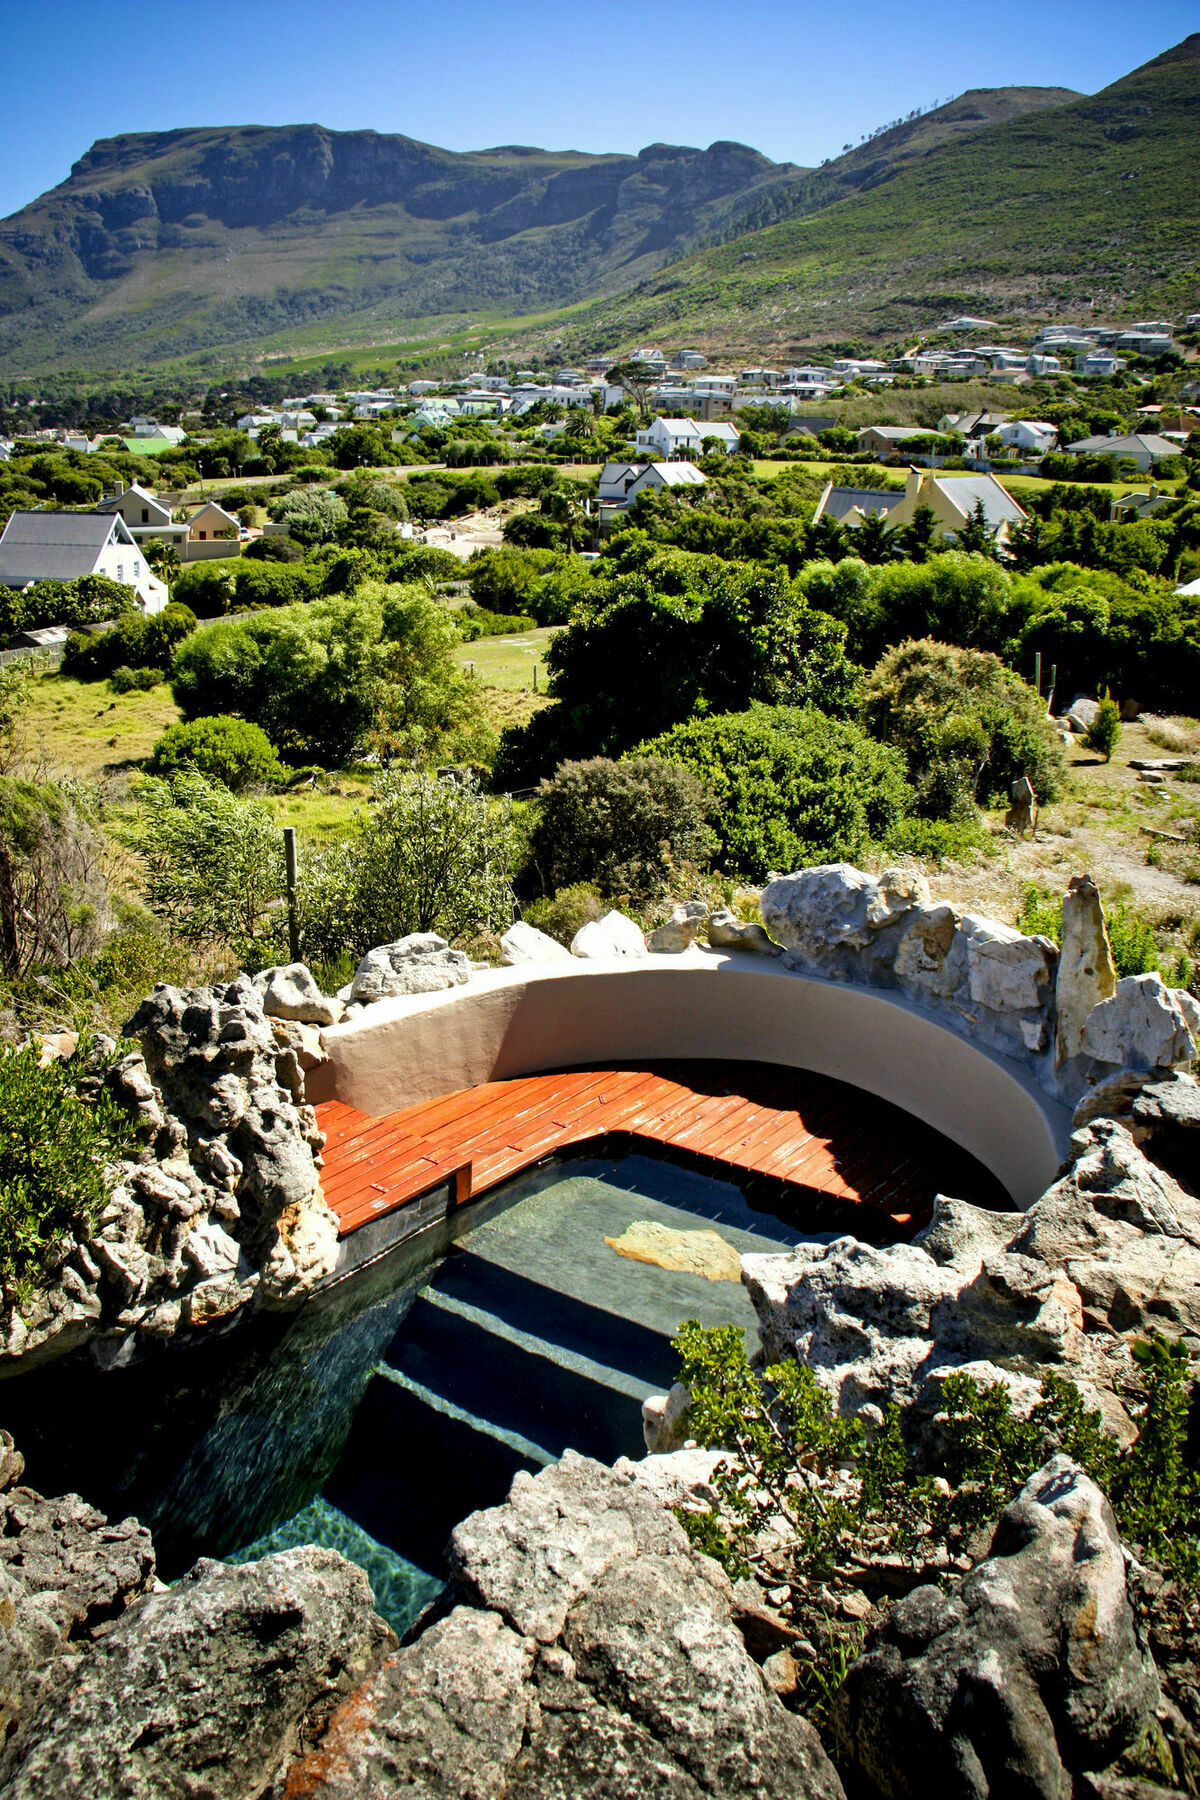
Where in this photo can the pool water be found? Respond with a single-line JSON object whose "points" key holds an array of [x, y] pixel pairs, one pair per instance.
{"points": [[402, 1399]]}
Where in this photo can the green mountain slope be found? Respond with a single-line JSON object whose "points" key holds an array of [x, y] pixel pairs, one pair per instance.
{"points": [[164, 243], [1091, 205], [160, 245]]}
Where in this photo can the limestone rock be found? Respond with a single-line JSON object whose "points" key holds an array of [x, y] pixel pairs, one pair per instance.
{"points": [[531, 1558], [421, 963], [523, 943], [1026, 1673], [1082, 713], [663, 1419], [305, 1251], [613, 935], [1007, 971], [443, 1718], [727, 932], [960, 1236], [680, 930], [290, 991], [677, 1478], [691, 1252], [825, 915], [84, 1571], [206, 1687], [1142, 1026]]}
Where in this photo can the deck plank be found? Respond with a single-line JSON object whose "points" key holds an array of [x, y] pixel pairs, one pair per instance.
{"points": [[759, 1118]]}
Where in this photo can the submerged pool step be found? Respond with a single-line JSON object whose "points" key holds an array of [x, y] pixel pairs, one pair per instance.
{"points": [[480, 1366]]}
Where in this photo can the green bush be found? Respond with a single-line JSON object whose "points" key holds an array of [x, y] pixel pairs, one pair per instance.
{"points": [[85, 600], [563, 914], [626, 826], [312, 515], [125, 680], [213, 863], [432, 856], [137, 643], [55, 1150], [1105, 729], [967, 725], [220, 747], [789, 786], [473, 622]]}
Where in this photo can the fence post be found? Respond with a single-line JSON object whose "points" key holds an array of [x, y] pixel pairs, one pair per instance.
{"points": [[289, 865], [1037, 671]]}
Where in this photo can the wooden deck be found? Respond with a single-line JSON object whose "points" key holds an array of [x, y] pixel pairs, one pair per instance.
{"points": [[822, 1135]]}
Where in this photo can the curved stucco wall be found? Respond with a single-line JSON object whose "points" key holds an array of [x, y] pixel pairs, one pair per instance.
{"points": [[509, 1022]]}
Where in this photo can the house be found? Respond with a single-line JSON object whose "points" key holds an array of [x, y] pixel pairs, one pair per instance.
{"points": [[1128, 507], [1099, 363], [622, 482], [966, 323], [688, 359], [1033, 436], [1141, 449], [970, 424], [728, 436], [849, 506], [670, 440], [211, 532], [1040, 362], [136, 505], [886, 440], [61, 546], [953, 498]]}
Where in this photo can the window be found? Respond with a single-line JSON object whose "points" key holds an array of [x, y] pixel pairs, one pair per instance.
{"points": [[145, 515], [203, 534], [120, 571], [137, 569]]}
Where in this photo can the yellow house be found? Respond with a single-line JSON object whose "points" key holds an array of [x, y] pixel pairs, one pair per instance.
{"points": [[953, 498]]}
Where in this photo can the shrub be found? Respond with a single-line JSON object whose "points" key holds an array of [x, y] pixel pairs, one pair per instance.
{"points": [[220, 747], [626, 826], [968, 726], [214, 864], [789, 786], [125, 680], [1105, 729], [53, 889], [142, 646], [570, 908], [474, 622], [56, 1149], [433, 856], [312, 515]]}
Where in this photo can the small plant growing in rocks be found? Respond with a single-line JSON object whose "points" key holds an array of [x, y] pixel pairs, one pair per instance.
{"points": [[1105, 730]]}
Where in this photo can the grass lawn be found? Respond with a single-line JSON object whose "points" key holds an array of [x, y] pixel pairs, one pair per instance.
{"points": [[767, 470], [82, 728], [508, 662]]}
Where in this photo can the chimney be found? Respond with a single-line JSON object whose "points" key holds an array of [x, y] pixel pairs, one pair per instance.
{"points": [[118, 488]]}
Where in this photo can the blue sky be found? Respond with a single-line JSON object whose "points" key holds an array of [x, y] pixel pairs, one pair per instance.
{"points": [[796, 81]]}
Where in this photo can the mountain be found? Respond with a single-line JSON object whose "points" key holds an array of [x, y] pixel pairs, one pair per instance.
{"points": [[159, 244], [162, 244], [220, 242], [1088, 206]]}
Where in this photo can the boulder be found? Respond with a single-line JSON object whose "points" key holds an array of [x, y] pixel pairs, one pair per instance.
{"points": [[1082, 713], [1142, 1026], [523, 943], [827, 916], [591, 1652], [680, 931], [1022, 1675], [613, 935], [421, 963], [663, 1419], [291, 992], [1086, 975], [727, 932], [208, 1687]]}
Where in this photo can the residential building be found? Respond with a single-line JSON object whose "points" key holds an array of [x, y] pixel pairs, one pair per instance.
{"points": [[136, 505], [61, 546], [1033, 436], [1140, 448], [1141, 506], [1100, 363], [670, 440], [849, 506], [214, 527], [886, 440], [728, 436], [1040, 362], [970, 424], [688, 359], [621, 482], [953, 498]]}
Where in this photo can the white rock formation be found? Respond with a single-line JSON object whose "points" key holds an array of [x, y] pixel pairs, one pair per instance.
{"points": [[613, 935], [523, 943], [421, 963]]}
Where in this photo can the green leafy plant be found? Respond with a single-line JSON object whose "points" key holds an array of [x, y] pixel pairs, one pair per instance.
{"points": [[626, 826], [1105, 729], [56, 1148], [221, 747], [214, 863]]}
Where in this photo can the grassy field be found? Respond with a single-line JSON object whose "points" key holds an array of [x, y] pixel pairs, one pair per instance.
{"points": [[82, 728]]}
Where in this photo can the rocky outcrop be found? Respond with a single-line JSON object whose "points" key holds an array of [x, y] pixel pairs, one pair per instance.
{"points": [[592, 1651], [209, 1687], [1022, 1675], [220, 1207], [290, 991], [421, 963], [727, 932], [1110, 1250], [613, 935], [985, 980]]}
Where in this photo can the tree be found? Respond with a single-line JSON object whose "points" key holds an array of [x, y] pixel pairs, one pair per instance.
{"points": [[162, 558], [311, 515], [566, 509], [637, 380], [626, 826], [976, 537], [1105, 728], [918, 539], [874, 542], [434, 856], [214, 864]]}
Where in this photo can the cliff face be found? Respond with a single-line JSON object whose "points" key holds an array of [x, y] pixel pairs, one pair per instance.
{"points": [[246, 228]]}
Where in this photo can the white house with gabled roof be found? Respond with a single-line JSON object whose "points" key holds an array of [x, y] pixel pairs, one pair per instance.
{"points": [[62, 546]]}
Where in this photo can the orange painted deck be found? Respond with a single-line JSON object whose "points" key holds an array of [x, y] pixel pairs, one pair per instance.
{"points": [[822, 1135]]}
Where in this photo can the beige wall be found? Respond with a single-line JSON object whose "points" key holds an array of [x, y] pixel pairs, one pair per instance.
{"points": [[517, 1021]]}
